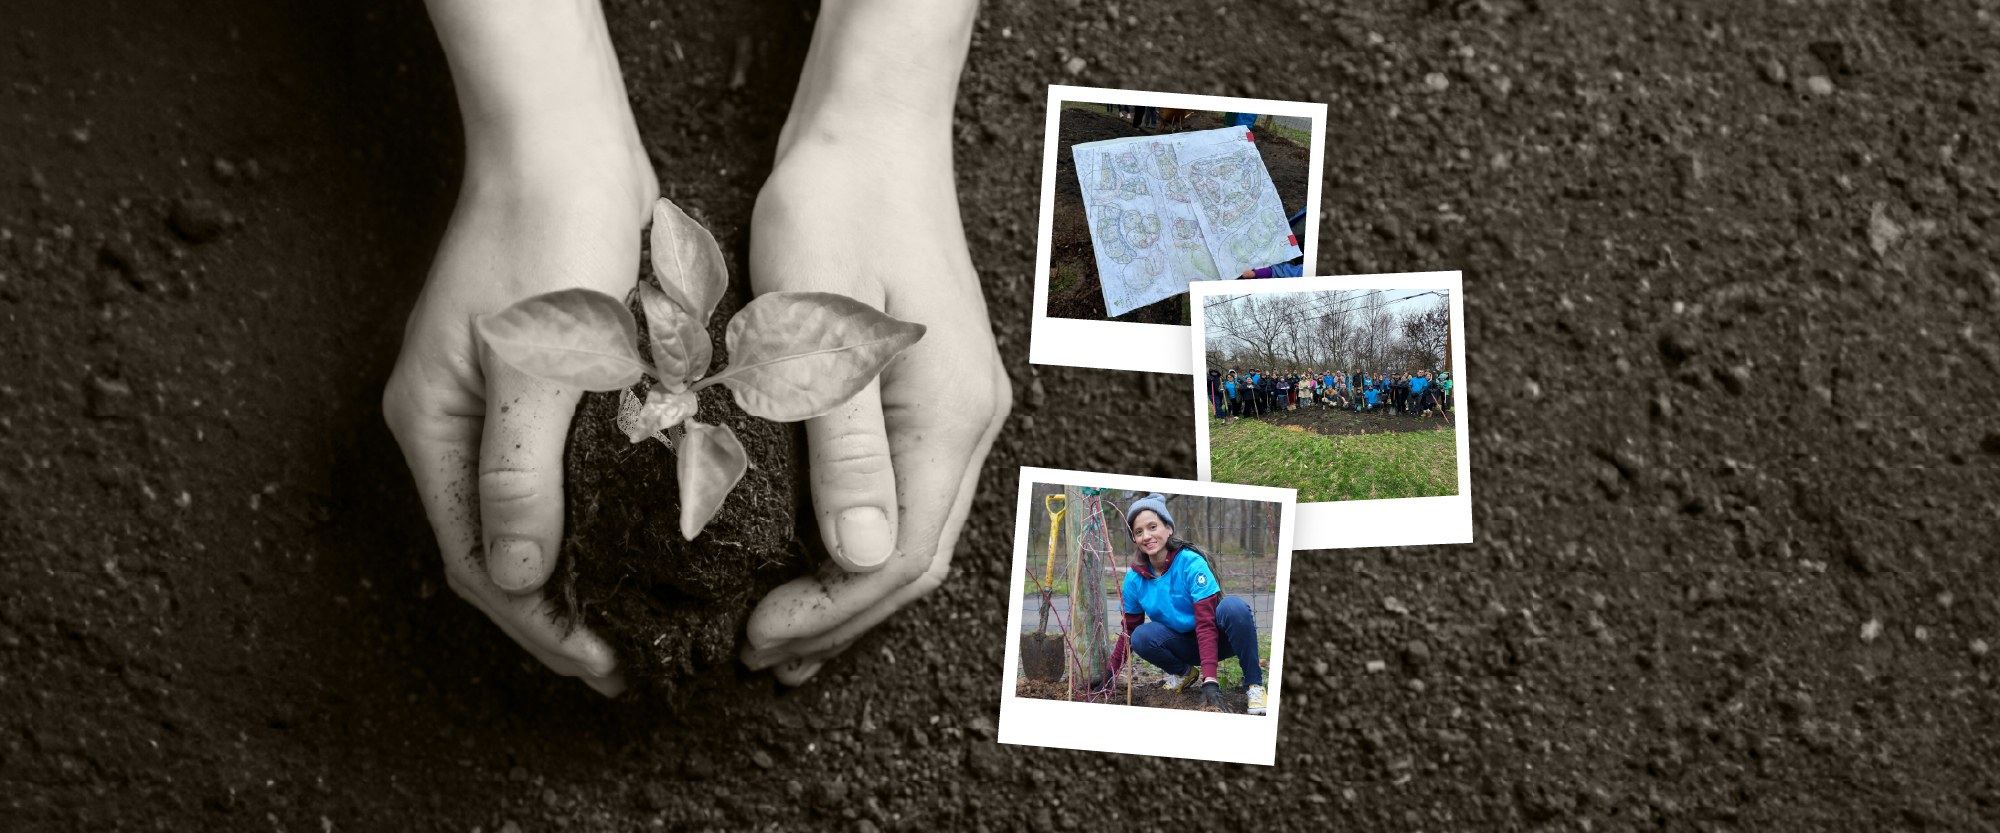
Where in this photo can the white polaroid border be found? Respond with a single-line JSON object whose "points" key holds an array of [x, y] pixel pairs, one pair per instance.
{"points": [[1359, 523], [1118, 345], [1140, 730]]}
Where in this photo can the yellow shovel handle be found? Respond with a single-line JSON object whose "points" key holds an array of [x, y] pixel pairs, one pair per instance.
{"points": [[1055, 505]]}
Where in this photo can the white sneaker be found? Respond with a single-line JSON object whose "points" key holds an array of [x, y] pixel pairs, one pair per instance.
{"points": [[1256, 700]]}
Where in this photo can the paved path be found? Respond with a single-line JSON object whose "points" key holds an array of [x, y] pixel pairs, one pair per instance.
{"points": [[1031, 606]]}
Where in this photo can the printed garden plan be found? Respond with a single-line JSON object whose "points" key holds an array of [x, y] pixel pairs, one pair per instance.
{"points": [[1168, 210]]}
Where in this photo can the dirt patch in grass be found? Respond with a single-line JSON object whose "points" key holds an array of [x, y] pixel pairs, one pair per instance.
{"points": [[1335, 422], [1146, 691]]}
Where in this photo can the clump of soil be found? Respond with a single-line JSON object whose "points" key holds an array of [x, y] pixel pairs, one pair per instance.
{"points": [[1042, 656], [1338, 422], [673, 608], [1074, 291]]}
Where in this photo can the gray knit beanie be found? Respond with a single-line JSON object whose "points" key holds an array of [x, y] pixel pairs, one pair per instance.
{"points": [[1156, 502]]}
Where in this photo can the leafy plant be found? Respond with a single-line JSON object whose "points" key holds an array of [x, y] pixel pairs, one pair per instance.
{"points": [[793, 355]]}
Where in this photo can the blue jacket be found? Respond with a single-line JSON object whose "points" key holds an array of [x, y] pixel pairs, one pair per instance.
{"points": [[1417, 384], [1169, 599]]}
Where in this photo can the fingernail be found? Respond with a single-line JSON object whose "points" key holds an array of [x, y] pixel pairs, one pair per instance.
{"points": [[758, 659], [514, 564], [799, 671], [862, 533]]}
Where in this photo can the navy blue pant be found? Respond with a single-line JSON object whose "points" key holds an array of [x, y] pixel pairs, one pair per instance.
{"points": [[1176, 652]]}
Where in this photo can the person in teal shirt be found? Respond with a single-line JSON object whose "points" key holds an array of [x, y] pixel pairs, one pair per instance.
{"points": [[1177, 616]]}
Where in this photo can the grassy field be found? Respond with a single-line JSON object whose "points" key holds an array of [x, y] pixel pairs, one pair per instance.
{"points": [[1298, 137], [1414, 464]]}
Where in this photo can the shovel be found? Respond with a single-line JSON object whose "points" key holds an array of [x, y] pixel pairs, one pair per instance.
{"points": [[1055, 505]]}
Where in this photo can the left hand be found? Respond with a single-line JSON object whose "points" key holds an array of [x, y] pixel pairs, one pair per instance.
{"points": [[1211, 696]]}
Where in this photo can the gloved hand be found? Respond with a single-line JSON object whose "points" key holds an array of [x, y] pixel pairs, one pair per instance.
{"points": [[1211, 697]]}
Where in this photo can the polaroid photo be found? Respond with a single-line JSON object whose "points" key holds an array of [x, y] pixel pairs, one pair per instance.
{"points": [[1174, 563], [1350, 390], [1145, 194]]}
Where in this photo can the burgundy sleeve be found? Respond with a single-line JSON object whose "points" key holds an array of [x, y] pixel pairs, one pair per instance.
{"points": [[1206, 637], [1132, 623]]}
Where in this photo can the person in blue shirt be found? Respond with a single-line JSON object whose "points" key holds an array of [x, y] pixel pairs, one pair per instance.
{"points": [[1418, 401], [1178, 617], [1372, 394], [1234, 403]]}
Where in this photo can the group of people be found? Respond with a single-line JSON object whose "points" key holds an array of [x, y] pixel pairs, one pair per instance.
{"points": [[1256, 392]]}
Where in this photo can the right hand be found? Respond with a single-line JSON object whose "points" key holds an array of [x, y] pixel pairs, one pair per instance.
{"points": [[862, 200]]}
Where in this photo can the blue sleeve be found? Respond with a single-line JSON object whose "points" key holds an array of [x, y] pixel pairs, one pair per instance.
{"points": [[1288, 270], [1129, 594], [1200, 581]]}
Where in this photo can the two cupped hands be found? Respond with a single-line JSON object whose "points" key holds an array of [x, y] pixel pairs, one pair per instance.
{"points": [[892, 471]]}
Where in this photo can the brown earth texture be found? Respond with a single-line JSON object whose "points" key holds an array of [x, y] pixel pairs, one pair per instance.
{"points": [[1731, 362]]}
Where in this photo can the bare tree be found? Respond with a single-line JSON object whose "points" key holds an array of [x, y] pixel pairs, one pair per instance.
{"points": [[1427, 334]]}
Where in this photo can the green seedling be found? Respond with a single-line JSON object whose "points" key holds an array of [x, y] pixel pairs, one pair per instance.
{"points": [[792, 355]]}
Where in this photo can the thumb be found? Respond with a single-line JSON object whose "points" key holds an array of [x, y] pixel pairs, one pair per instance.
{"points": [[521, 474], [853, 481]]}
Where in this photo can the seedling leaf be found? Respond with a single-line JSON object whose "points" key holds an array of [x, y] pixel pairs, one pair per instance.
{"points": [[664, 409], [681, 348], [711, 462], [687, 262], [797, 355], [576, 336]]}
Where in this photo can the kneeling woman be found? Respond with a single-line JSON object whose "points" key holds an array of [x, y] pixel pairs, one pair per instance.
{"points": [[1193, 624]]}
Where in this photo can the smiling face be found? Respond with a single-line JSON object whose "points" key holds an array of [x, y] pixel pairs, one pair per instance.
{"points": [[1150, 533]]}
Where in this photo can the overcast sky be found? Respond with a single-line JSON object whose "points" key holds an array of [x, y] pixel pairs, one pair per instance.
{"points": [[1399, 302]]}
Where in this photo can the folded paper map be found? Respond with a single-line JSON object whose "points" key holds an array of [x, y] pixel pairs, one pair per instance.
{"points": [[1168, 210]]}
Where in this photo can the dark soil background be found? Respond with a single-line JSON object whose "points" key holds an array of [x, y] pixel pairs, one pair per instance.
{"points": [[1069, 234], [1334, 422], [1730, 336]]}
